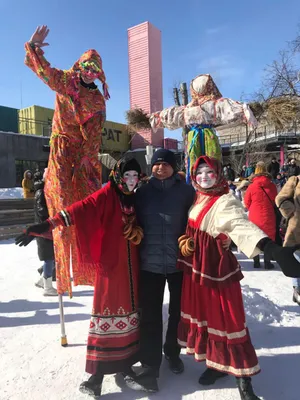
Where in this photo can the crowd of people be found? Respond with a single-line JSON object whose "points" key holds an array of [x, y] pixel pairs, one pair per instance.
{"points": [[204, 277], [269, 195]]}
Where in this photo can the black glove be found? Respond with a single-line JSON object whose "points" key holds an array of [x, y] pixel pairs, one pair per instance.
{"points": [[25, 238], [39, 228], [284, 257]]}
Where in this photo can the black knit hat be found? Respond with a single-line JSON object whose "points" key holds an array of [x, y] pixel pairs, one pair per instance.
{"points": [[130, 165], [164, 155]]}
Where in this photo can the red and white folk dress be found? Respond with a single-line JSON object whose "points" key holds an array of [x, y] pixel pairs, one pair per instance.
{"points": [[109, 262], [213, 325]]}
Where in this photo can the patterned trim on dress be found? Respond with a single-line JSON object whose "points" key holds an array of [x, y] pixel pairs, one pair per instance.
{"points": [[201, 324], [235, 371], [224, 368], [101, 356], [207, 276], [118, 324], [66, 217]]}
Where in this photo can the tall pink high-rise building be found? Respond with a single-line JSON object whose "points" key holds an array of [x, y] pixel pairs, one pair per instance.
{"points": [[145, 78]]}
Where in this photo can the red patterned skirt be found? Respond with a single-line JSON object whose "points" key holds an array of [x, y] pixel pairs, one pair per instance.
{"points": [[213, 325], [113, 340]]}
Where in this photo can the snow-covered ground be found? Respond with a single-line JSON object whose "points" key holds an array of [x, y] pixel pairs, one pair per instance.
{"points": [[34, 366], [11, 193]]}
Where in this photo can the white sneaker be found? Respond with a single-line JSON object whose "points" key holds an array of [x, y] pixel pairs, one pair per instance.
{"points": [[40, 282], [48, 288]]}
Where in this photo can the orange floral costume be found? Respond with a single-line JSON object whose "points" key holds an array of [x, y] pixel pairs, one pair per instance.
{"points": [[74, 171]]}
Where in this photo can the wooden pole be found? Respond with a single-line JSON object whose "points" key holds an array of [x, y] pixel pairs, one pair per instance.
{"points": [[184, 94], [176, 97], [185, 100]]}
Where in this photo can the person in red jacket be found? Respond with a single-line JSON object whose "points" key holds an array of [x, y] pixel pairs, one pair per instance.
{"points": [[260, 201]]}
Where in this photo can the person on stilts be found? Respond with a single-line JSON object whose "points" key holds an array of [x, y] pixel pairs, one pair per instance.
{"points": [[74, 171]]}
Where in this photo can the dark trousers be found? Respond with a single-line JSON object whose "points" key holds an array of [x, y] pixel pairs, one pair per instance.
{"points": [[151, 290], [267, 261]]}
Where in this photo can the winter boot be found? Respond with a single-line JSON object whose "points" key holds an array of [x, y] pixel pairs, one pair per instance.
{"points": [[175, 364], [296, 295], [256, 262], [210, 376], [48, 288], [92, 386], [40, 282], [245, 388], [145, 382], [129, 372], [269, 265]]}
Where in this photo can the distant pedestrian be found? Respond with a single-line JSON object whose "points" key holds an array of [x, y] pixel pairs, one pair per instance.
{"points": [[243, 172], [288, 202], [27, 185], [279, 182], [45, 246], [260, 201], [273, 168], [249, 171], [293, 169], [229, 173]]}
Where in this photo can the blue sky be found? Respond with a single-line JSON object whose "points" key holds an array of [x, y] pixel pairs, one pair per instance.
{"points": [[232, 40]]}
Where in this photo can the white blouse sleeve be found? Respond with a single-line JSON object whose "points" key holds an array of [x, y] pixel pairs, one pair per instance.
{"points": [[213, 112], [231, 219]]}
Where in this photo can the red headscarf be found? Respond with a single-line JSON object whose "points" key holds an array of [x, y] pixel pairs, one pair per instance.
{"points": [[220, 187]]}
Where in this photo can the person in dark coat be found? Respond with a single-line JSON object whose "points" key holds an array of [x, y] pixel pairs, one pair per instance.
{"points": [[273, 168], [162, 207], [243, 172], [293, 169], [229, 173], [45, 246]]}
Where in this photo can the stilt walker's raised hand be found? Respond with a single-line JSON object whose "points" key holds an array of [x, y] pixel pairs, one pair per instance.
{"points": [[39, 36]]}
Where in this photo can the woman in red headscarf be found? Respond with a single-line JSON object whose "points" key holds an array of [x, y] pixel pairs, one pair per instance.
{"points": [[107, 237], [213, 325], [74, 170]]}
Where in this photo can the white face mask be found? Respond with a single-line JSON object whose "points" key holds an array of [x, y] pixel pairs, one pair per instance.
{"points": [[131, 179], [206, 176]]}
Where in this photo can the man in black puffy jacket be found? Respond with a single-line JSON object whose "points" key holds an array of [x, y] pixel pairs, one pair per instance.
{"points": [[162, 210]]}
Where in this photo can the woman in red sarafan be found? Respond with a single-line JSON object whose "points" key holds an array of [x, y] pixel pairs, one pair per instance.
{"points": [[107, 237], [213, 325], [74, 171]]}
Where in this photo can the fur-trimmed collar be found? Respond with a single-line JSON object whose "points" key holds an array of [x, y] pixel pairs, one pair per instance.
{"points": [[266, 174]]}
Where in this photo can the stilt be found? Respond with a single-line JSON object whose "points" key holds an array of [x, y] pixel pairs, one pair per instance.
{"points": [[64, 341]]}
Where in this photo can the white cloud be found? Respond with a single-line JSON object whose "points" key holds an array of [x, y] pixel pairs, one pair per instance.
{"points": [[215, 30], [222, 67]]}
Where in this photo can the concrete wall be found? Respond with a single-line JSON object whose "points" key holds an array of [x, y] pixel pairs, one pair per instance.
{"points": [[14, 146]]}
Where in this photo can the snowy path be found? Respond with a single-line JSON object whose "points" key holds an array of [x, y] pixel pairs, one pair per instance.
{"points": [[34, 366]]}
